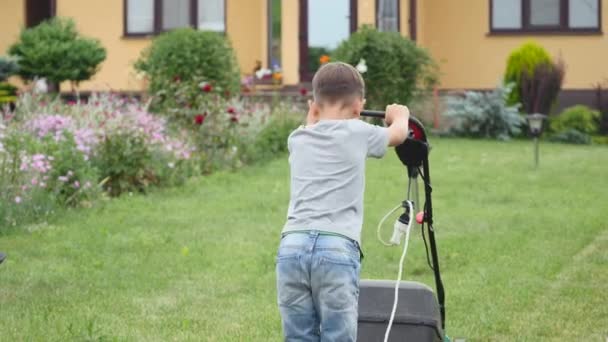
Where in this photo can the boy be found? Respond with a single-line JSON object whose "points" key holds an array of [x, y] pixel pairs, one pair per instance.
{"points": [[319, 256]]}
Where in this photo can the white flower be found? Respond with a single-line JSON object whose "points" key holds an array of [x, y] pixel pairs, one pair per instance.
{"points": [[171, 165], [263, 72], [41, 87], [361, 67]]}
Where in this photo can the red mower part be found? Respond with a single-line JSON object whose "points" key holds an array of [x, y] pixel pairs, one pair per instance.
{"points": [[420, 217]]}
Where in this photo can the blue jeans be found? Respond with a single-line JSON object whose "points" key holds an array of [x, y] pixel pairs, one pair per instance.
{"points": [[318, 287]]}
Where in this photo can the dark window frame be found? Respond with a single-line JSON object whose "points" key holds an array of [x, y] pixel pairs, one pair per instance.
{"points": [[398, 14], [305, 74], [158, 18], [562, 28]]}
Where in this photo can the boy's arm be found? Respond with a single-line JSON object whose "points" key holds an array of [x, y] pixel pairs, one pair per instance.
{"points": [[397, 117]]}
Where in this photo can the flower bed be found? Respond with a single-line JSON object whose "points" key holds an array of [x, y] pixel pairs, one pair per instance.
{"points": [[55, 154]]}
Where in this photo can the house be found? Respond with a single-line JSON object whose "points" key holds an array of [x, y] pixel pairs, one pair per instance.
{"points": [[470, 39]]}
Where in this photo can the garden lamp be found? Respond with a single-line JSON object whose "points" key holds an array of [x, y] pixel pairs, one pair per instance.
{"points": [[535, 123]]}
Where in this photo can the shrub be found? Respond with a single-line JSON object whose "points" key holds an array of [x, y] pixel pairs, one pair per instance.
{"points": [[235, 134], [484, 114], [571, 136], [539, 89], [8, 94], [397, 69], [54, 50], [580, 118], [523, 60], [188, 60], [272, 139], [8, 67]]}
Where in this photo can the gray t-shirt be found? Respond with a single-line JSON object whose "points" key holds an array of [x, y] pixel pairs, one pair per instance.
{"points": [[327, 162]]}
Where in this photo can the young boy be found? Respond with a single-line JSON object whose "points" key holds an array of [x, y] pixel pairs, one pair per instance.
{"points": [[319, 255]]}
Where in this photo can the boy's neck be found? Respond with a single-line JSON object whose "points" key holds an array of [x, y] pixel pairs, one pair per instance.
{"points": [[336, 113]]}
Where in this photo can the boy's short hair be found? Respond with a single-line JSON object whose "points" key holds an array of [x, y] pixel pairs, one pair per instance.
{"points": [[337, 82]]}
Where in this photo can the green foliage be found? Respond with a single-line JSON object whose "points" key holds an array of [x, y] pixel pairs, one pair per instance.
{"points": [[571, 136], [8, 67], [126, 160], [272, 140], [190, 57], [8, 93], [523, 60], [54, 50], [397, 69], [484, 114], [580, 118]]}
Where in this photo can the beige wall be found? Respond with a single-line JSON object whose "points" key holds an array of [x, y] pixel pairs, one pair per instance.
{"points": [[12, 19], [290, 47], [456, 36], [104, 20], [246, 27]]}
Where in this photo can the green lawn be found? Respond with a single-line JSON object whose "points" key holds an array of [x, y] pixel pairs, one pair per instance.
{"points": [[524, 253]]}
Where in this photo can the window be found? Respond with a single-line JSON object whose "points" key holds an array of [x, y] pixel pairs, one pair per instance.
{"points": [[146, 17], [387, 15], [545, 16]]}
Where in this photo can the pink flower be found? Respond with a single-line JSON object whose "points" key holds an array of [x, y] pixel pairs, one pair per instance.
{"points": [[71, 103], [34, 181], [76, 184], [231, 110], [17, 199]]}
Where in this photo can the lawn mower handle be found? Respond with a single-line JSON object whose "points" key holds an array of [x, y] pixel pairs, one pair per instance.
{"points": [[414, 153]]}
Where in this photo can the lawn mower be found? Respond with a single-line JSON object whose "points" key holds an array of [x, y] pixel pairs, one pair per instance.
{"points": [[405, 310]]}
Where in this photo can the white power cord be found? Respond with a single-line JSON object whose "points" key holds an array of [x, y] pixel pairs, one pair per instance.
{"points": [[398, 231]]}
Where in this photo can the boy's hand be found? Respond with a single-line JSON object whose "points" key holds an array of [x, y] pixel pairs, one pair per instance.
{"points": [[397, 117], [396, 111]]}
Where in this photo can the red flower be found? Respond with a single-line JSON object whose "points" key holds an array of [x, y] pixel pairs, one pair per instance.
{"points": [[71, 103], [231, 110], [234, 119], [200, 118], [207, 88], [303, 91], [176, 78]]}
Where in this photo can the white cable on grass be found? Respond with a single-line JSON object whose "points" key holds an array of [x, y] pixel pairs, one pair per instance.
{"points": [[400, 273], [382, 222]]}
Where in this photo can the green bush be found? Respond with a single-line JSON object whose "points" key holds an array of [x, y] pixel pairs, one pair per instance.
{"points": [[200, 60], [581, 118], [523, 60], [571, 136], [484, 114], [8, 67], [272, 140], [54, 50], [8, 94], [397, 69]]}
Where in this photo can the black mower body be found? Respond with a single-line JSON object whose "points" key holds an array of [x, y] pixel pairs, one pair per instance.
{"points": [[417, 319]]}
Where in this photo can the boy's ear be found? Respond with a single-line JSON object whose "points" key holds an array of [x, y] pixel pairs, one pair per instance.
{"points": [[313, 113], [358, 107]]}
